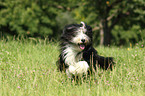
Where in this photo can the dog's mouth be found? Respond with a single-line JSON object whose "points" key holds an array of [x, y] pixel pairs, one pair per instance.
{"points": [[82, 46]]}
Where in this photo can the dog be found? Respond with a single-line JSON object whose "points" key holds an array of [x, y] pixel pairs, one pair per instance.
{"points": [[77, 55]]}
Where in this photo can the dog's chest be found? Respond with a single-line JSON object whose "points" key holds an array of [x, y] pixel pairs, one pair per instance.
{"points": [[71, 56]]}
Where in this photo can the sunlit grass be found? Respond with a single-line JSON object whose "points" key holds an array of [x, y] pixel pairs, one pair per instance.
{"points": [[28, 68]]}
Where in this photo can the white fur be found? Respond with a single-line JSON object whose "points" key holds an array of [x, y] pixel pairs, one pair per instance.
{"points": [[78, 69], [72, 59], [71, 55]]}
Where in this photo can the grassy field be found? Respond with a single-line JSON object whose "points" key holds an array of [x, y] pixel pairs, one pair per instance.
{"points": [[28, 68]]}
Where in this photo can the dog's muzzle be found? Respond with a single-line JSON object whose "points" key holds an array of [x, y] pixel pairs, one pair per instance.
{"points": [[82, 45]]}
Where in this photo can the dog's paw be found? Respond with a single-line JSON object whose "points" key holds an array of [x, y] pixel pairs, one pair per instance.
{"points": [[72, 69], [79, 69]]}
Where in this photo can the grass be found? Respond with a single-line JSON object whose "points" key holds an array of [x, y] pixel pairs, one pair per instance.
{"points": [[27, 68]]}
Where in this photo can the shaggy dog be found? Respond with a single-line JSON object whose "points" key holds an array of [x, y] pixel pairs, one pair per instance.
{"points": [[78, 57]]}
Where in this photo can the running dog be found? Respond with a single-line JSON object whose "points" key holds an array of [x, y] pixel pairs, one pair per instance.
{"points": [[78, 57]]}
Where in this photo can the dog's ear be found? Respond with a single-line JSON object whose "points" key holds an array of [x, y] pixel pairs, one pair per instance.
{"points": [[83, 24]]}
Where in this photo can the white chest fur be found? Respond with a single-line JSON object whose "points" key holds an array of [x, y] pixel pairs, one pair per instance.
{"points": [[73, 58], [71, 55]]}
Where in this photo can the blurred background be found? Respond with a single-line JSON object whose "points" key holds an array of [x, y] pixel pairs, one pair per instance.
{"points": [[114, 22]]}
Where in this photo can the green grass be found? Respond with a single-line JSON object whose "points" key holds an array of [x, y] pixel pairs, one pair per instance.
{"points": [[28, 68]]}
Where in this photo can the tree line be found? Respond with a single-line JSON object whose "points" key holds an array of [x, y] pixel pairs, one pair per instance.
{"points": [[115, 22]]}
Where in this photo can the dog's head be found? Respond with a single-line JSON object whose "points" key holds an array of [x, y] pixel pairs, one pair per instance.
{"points": [[79, 35]]}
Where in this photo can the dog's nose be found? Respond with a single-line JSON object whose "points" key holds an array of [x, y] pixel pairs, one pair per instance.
{"points": [[83, 40]]}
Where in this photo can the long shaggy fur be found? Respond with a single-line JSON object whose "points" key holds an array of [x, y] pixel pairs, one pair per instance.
{"points": [[78, 57]]}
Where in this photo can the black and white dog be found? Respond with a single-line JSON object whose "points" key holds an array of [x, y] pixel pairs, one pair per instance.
{"points": [[78, 57]]}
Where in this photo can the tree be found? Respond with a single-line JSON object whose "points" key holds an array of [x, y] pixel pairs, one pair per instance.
{"points": [[106, 14], [113, 21], [28, 17]]}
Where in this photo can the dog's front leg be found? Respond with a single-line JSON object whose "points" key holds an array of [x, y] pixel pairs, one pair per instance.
{"points": [[78, 69]]}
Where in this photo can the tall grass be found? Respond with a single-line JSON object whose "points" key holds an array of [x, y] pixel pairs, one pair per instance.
{"points": [[28, 67]]}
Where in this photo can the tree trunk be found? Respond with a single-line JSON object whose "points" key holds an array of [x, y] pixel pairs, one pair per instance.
{"points": [[101, 33], [105, 33]]}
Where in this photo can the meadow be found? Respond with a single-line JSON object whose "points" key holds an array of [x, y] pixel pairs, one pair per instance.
{"points": [[28, 68]]}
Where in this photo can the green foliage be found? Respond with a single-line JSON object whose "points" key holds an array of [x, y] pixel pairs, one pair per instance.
{"points": [[28, 17], [63, 19], [122, 21], [122, 36]]}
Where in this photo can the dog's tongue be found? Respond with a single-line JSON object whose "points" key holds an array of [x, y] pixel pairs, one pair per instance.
{"points": [[82, 47]]}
